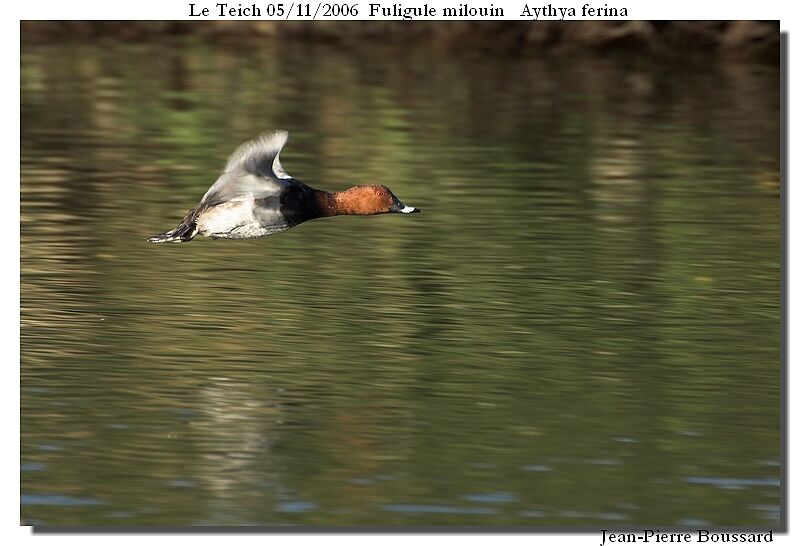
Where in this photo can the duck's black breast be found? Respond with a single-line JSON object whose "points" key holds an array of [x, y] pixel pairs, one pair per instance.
{"points": [[295, 204]]}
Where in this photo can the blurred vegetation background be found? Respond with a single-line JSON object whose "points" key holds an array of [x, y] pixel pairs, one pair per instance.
{"points": [[732, 38]]}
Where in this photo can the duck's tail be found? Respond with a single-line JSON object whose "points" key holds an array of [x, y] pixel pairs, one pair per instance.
{"points": [[185, 231]]}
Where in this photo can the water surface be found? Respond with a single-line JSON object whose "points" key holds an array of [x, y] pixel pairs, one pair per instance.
{"points": [[581, 328]]}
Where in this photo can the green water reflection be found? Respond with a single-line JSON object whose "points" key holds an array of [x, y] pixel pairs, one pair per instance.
{"points": [[582, 328]]}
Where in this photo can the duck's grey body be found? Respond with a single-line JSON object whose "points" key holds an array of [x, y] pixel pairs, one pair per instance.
{"points": [[245, 201], [238, 220], [248, 217], [254, 197]]}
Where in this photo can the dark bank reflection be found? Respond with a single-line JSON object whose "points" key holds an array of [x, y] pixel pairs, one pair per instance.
{"points": [[582, 328]]}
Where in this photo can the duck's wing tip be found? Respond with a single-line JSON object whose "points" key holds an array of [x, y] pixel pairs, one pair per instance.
{"points": [[259, 155], [253, 169]]}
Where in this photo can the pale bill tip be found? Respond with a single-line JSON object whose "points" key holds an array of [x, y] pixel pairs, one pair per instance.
{"points": [[407, 210]]}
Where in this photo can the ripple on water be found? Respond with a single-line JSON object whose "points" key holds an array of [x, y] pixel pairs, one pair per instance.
{"points": [[57, 500], [437, 509], [593, 461], [537, 468], [532, 513], [771, 512], [693, 522], [181, 483], [612, 516], [493, 498], [294, 507], [49, 447], [361, 481], [732, 483]]}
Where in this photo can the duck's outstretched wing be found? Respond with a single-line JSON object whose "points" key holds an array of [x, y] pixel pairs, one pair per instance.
{"points": [[260, 155], [253, 170]]}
